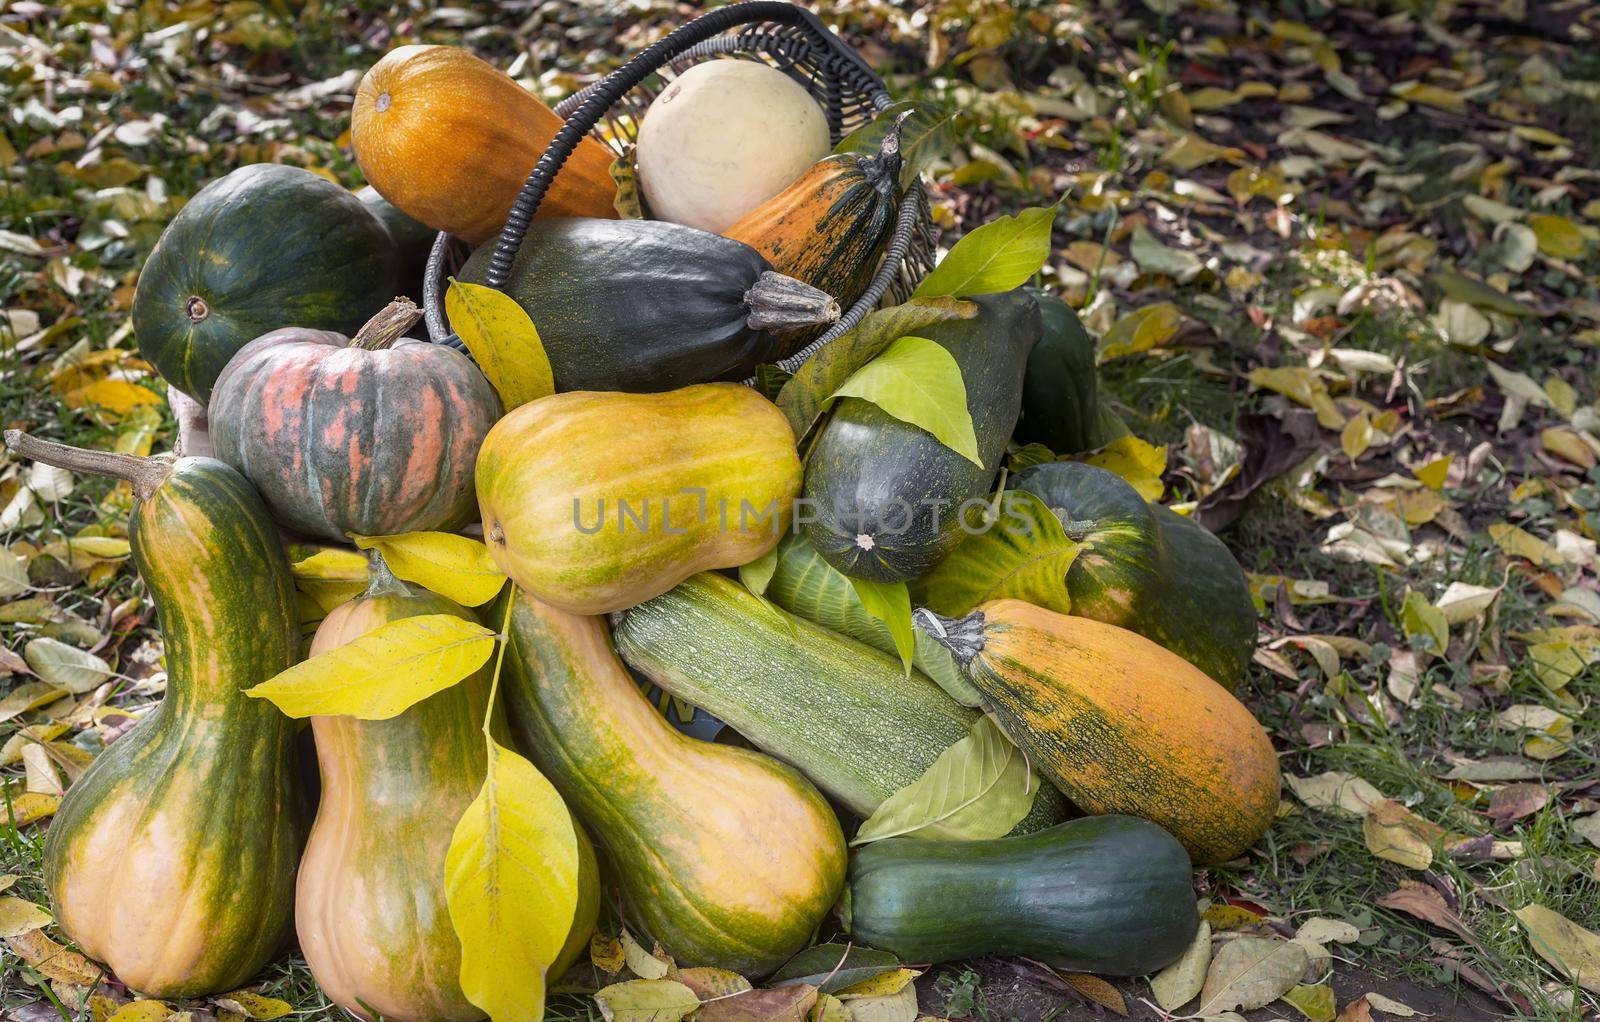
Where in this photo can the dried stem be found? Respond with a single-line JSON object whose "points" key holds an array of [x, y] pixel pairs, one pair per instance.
{"points": [[963, 637], [781, 304], [388, 326], [146, 474]]}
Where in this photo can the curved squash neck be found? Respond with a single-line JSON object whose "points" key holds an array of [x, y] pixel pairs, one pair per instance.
{"points": [[584, 682]]}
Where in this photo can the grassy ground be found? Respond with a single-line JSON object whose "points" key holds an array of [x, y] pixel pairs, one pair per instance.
{"points": [[117, 112]]}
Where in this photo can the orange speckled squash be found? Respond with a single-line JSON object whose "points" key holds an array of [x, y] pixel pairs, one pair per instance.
{"points": [[370, 902], [1120, 724], [449, 139], [597, 501], [727, 857]]}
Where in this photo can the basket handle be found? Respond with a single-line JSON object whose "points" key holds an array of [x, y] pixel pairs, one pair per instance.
{"points": [[611, 88]]}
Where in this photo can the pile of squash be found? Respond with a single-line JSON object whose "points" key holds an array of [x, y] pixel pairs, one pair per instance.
{"points": [[619, 507]]}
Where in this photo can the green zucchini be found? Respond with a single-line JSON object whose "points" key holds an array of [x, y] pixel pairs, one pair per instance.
{"points": [[885, 498], [1103, 894], [846, 715], [805, 584]]}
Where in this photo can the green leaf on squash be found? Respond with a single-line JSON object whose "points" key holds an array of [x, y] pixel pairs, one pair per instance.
{"points": [[980, 787], [805, 396], [996, 257], [917, 381], [645, 1000], [503, 341], [511, 884], [757, 575], [379, 675], [890, 602], [1025, 556], [456, 567], [926, 134], [816, 590]]}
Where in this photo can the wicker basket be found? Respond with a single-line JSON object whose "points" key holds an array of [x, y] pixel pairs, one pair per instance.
{"points": [[787, 36]]}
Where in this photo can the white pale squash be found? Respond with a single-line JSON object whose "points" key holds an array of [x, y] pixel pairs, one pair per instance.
{"points": [[723, 138]]}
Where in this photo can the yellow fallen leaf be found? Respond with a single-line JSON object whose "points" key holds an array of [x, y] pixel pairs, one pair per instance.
{"points": [[29, 807], [1356, 436], [253, 1004], [1192, 151], [18, 916], [1518, 542], [1567, 445], [118, 396], [1212, 98], [605, 951], [1558, 236], [141, 1011], [1564, 944], [881, 985], [1395, 833], [1432, 474], [1136, 461], [52, 960], [1432, 95], [1302, 385]]}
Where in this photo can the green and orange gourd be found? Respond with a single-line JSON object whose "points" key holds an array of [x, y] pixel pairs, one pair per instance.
{"points": [[370, 905], [727, 857], [172, 858], [1120, 724]]}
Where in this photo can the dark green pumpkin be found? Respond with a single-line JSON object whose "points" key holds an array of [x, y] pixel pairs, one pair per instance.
{"points": [[885, 497], [646, 306], [1148, 569], [172, 859], [267, 246], [1103, 894], [412, 239], [1061, 391]]}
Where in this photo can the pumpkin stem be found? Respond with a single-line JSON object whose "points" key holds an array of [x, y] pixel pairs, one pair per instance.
{"points": [[963, 637], [380, 580], [781, 304], [387, 326], [883, 168], [146, 474]]}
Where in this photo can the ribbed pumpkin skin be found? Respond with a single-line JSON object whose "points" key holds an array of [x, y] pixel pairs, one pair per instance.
{"points": [[829, 227], [557, 474], [886, 496], [341, 439], [1148, 569], [1109, 895], [449, 139], [172, 858], [413, 240], [846, 715], [636, 305], [1121, 725], [264, 247], [729, 858]]}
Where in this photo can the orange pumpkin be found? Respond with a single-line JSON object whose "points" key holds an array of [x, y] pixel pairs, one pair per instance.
{"points": [[450, 139]]}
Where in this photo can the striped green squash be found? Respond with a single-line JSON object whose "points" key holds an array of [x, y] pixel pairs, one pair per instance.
{"points": [[172, 859], [805, 584], [848, 716]]}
